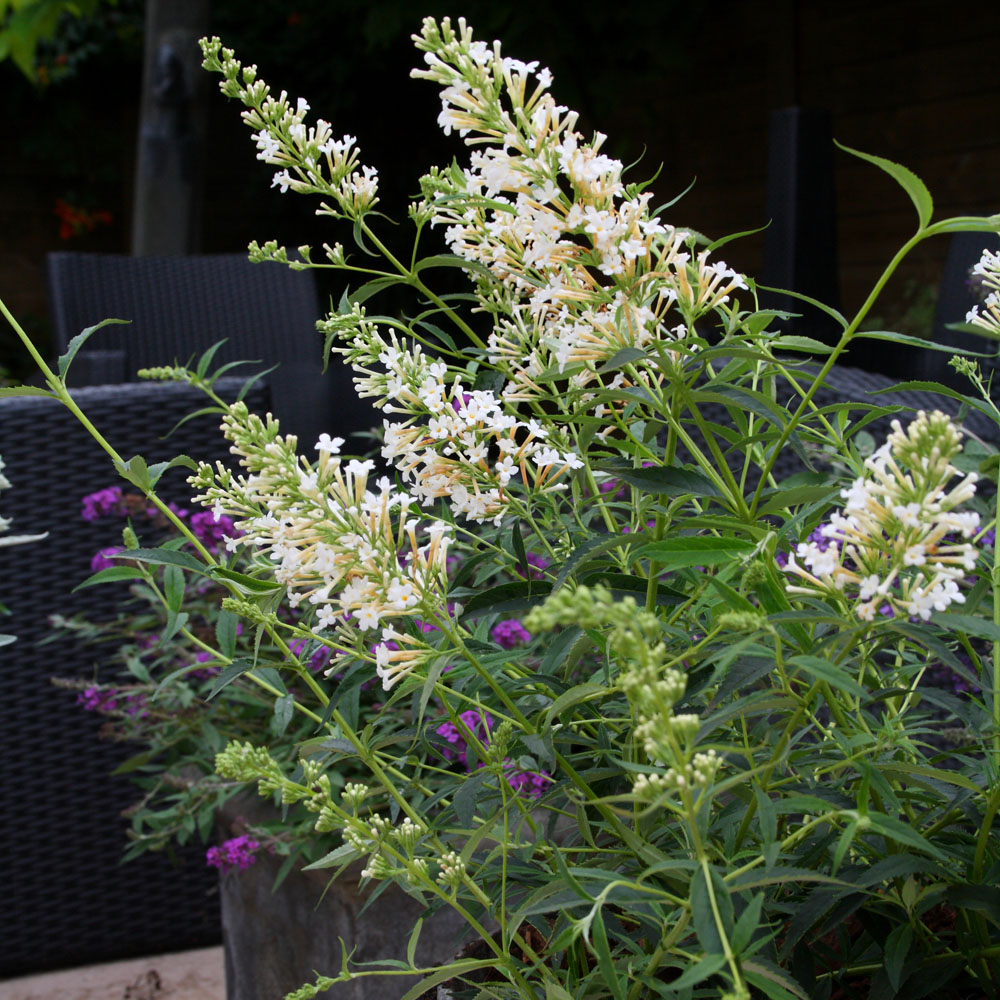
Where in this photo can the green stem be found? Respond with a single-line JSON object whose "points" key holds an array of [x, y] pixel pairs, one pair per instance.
{"points": [[832, 358], [414, 280], [59, 390], [860, 970]]}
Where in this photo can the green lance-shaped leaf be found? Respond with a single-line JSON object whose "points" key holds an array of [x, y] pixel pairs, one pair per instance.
{"points": [[65, 360], [895, 952], [675, 553], [164, 557], [905, 178], [703, 913]]}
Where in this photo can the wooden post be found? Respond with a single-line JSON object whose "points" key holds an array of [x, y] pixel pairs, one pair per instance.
{"points": [[168, 183]]}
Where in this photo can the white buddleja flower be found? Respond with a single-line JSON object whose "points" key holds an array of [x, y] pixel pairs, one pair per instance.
{"points": [[579, 267], [335, 540], [454, 442], [8, 540], [310, 159], [988, 272], [895, 545]]}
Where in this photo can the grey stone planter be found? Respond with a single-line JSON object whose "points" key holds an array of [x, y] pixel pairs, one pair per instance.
{"points": [[277, 941]]}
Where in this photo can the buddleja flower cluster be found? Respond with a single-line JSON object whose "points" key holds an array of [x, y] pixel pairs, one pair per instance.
{"points": [[312, 161], [338, 543], [443, 448], [894, 546], [988, 272], [579, 267]]}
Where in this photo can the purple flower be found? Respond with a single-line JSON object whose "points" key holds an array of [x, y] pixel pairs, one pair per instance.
{"points": [[108, 700], [536, 565], [211, 532], [204, 673], [93, 699], [476, 723], [510, 634], [530, 783], [613, 489], [237, 852], [147, 640], [816, 535], [318, 660], [135, 704], [102, 503], [102, 558]]}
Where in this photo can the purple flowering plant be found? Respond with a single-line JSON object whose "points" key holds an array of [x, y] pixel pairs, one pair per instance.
{"points": [[650, 612], [159, 682]]}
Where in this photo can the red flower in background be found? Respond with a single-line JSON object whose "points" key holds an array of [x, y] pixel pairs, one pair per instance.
{"points": [[75, 221]]}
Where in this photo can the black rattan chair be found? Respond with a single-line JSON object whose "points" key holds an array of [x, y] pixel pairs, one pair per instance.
{"points": [[179, 306], [69, 901]]}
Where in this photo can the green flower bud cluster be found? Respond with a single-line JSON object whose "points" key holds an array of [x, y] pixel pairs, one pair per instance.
{"points": [[245, 762], [391, 849], [743, 621], [401, 841], [335, 254], [258, 442], [207, 478], [591, 607], [352, 328], [353, 794], [967, 367], [370, 837], [314, 790], [651, 687], [755, 574], [166, 373], [378, 868], [452, 873], [420, 212], [408, 835], [270, 251], [499, 746], [311, 990], [635, 632], [925, 449], [129, 537], [449, 181], [698, 773], [250, 612]]}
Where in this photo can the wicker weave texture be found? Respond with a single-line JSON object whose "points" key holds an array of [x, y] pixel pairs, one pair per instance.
{"points": [[68, 900]]}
